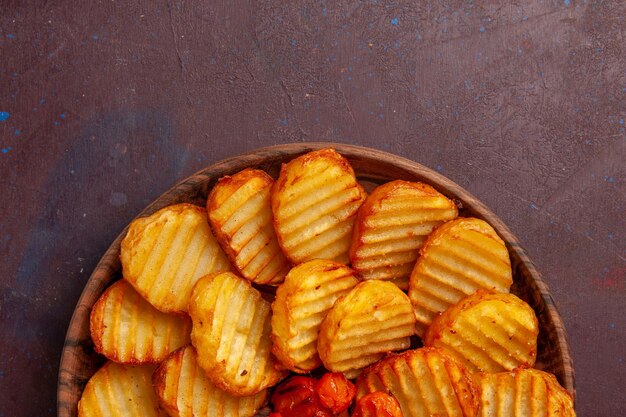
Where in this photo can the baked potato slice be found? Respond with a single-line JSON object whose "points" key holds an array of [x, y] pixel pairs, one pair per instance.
{"points": [[314, 202], [127, 329], [392, 224], [374, 318], [523, 393], [231, 333], [458, 258], [184, 390], [240, 214], [302, 301], [488, 332], [118, 390], [426, 382], [164, 254]]}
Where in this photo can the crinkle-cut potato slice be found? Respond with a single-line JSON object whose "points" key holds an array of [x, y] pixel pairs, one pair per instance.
{"points": [[314, 202], [184, 390], [117, 390], [240, 213], [523, 393], [426, 382], [163, 255], [302, 301], [231, 333], [126, 328], [392, 224], [458, 258], [374, 318], [488, 332]]}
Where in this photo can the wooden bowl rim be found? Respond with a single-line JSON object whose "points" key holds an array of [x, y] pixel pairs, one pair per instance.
{"points": [[109, 263]]}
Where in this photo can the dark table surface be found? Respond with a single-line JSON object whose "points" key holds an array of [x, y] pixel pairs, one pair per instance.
{"points": [[106, 104]]}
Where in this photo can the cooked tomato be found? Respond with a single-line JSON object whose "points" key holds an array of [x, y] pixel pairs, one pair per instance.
{"points": [[335, 391], [297, 397], [377, 404]]}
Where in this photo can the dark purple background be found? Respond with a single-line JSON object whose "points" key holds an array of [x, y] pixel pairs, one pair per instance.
{"points": [[109, 103]]}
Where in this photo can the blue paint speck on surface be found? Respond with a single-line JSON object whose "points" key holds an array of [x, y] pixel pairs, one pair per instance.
{"points": [[10, 36], [608, 179], [284, 122], [381, 116], [533, 206], [42, 101], [62, 116], [525, 18], [56, 123], [612, 325], [18, 132], [439, 168], [324, 11], [482, 29], [6, 150], [566, 2], [394, 21], [621, 121], [95, 37], [4, 115], [294, 42]]}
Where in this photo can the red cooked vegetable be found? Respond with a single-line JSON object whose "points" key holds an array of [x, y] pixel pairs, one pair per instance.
{"points": [[297, 397], [335, 392], [377, 404]]}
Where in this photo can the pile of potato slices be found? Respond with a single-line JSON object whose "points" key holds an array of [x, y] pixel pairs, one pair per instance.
{"points": [[309, 274]]}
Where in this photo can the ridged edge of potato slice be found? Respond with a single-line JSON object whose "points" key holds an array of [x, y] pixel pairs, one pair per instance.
{"points": [[118, 390], [458, 258], [300, 307], [224, 307], [313, 219], [487, 331], [392, 224], [425, 381], [160, 332], [184, 390], [523, 393], [376, 317], [240, 213], [165, 277]]}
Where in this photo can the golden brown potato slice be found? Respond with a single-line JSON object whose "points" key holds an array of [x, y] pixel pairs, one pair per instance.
{"points": [[426, 382], [523, 393], [184, 390], [392, 224], [126, 328], [240, 213], [231, 332], [118, 390], [302, 301], [314, 202], [458, 258], [163, 255], [374, 318], [487, 331]]}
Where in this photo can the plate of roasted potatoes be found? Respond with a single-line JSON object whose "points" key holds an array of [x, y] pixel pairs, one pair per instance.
{"points": [[316, 280]]}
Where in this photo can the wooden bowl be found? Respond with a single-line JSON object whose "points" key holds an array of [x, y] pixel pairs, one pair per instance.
{"points": [[79, 361]]}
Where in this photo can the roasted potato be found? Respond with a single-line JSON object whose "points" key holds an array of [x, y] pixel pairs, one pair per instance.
{"points": [[377, 404], [458, 258], [184, 390], [164, 254], [126, 328], [374, 318], [391, 226], [487, 331], [302, 301], [426, 382], [240, 214], [523, 393], [231, 333], [314, 202], [117, 390]]}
